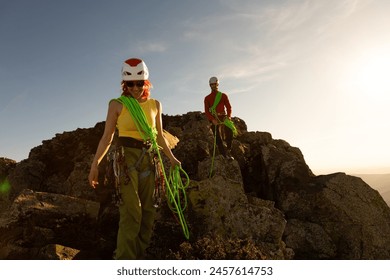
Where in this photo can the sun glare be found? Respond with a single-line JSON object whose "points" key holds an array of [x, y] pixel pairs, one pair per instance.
{"points": [[370, 74], [374, 76]]}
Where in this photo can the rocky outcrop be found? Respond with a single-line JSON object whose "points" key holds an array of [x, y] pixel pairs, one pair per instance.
{"points": [[265, 204], [6, 165], [39, 222], [344, 217]]}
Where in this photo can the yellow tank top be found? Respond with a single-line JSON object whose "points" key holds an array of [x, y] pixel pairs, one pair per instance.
{"points": [[125, 123]]}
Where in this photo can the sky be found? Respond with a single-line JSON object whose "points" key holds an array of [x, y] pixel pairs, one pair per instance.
{"points": [[313, 73]]}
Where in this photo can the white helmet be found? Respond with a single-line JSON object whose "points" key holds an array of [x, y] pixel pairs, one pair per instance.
{"points": [[134, 69], [213, 80]]}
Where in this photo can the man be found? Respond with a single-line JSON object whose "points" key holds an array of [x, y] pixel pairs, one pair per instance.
{"points": [[217, 108]]}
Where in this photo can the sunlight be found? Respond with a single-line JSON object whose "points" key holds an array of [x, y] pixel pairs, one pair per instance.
{"points": [[374, 75], [370, 74]]}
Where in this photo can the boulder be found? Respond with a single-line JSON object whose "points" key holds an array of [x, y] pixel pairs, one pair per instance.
{"points": [[38, 219], [264, 204]]}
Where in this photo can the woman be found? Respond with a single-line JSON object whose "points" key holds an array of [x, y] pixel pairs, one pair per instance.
{"points": [[137, 182]]}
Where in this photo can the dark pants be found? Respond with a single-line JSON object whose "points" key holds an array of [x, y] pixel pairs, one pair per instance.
{"points": [[224, 134]]}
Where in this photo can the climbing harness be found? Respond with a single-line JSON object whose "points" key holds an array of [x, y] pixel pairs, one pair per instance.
{"points": [[175, 189]]}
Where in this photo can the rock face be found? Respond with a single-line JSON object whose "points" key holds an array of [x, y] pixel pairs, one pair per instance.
{"points": [[345, 218], [265, 204], [39, 219]]}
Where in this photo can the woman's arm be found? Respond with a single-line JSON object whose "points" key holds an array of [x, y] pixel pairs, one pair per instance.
{"points": [[114, 110], [161, 141]]}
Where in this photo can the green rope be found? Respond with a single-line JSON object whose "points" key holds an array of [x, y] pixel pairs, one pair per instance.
{"points": [[215, 144], [231, 125], [217, 99], [174, 202], [138, 115], [177, 200], [174, 184]]}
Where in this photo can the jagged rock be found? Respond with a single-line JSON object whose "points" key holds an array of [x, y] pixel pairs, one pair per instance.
{"points": [[309, 240], [220, 166], [59, 165], [37, 219], [57, 252], [6, 165], [28, 174], [219, 206], [245, 204], [224, 224], [340, 216], [48, 252], [218, 248]]}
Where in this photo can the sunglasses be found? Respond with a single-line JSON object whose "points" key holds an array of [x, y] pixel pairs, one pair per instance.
{"points": [[131, 84]]}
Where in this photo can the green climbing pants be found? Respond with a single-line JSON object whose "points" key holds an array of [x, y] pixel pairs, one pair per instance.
{"points": [[137, 212]]}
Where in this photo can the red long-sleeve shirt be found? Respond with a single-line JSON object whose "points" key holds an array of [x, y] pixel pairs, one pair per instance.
{"points": [[224, 103]]}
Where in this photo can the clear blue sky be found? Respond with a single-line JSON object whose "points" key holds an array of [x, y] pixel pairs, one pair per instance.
{"points": [[314, 73]]}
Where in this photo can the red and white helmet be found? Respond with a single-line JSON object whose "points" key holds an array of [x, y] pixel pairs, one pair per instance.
{"points": [[134, 69]]}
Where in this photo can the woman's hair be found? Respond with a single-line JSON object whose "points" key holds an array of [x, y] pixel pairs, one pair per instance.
{"points": [[145, 95]]}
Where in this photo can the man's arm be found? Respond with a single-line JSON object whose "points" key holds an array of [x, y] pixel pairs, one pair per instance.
{"points": [[207, 109], [228, 106]]}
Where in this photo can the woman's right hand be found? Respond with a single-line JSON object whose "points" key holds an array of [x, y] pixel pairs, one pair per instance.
{"points": [[93, 176], [114, 110]]}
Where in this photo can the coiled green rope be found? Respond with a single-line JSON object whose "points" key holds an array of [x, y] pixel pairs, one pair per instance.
{"points": [[145, 130], [230, 124], [175, 187], [177, 198]]}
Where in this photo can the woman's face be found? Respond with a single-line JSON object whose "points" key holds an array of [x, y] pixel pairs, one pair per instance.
{"points": [[135, 88]]}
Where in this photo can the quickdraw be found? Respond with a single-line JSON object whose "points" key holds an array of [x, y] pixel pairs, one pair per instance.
{"points": [[159, 184], [113, 173]]}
